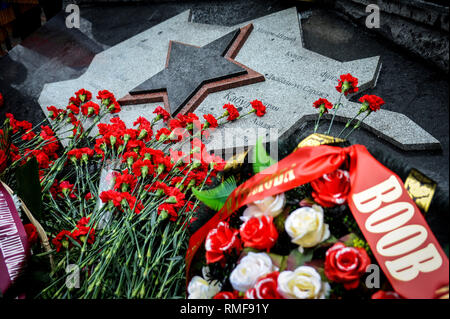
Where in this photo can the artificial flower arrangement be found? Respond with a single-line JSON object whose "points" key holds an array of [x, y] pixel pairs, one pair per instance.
{"points": [[108, 215], [299, 238]]}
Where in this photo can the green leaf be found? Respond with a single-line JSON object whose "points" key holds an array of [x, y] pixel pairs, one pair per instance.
{"points": [[29, 187], [261, 160], [215, 198], [297, 259]]}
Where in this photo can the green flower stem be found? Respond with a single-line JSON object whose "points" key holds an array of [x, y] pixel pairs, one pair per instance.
{"points": [[336, 107], [357, 125]]}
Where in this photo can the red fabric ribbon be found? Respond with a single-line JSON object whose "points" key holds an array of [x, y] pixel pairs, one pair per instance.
{"points": [[403, 244], [14, 247]]}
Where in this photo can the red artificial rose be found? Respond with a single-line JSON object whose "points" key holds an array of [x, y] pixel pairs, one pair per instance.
{"points": [[32, 234], [226, 295], [220, 241], [323, 104], [347, 84], [231, 112], [259, 233], [1, 100], [211, 121], [371, 102], [381, 294], [265, 288], [90, 109], [346, 264], [258, 107], [331, 189]]}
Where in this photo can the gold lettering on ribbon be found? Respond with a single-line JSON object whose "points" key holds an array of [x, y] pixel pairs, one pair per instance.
{"points": [[421, 189], [317, 139]]}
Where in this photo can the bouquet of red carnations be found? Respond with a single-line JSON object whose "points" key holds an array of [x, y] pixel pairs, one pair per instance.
{"points": [[114, 205]]}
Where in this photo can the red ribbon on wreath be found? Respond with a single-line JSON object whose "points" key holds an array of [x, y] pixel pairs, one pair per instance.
{"points": [[396, 231]]}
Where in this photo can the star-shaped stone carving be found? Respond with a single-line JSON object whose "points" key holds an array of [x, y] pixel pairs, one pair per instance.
{"points": [[190, 68]]}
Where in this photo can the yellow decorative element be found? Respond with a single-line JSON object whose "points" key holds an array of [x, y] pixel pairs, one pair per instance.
{"points": [[236, 161], [317, 139], [420, 188]]}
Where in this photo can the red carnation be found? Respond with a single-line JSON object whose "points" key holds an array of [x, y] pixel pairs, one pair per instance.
{"points": [[346, 264], [1, 100], [143, 168], [90, 109], [220, 241], [61, 240], [323, 105], [125, 182], [161, 114], [83, 95], [211, 121], [168, 209], [163, 135], [231, 111], [371, 102], [32, 234], [54, 112], [259, 233], [331, 189], [83, 233], [106, 97], [258, 107], [265, 288], [347, 84]]}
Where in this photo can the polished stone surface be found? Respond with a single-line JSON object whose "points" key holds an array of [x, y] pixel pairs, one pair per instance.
{"points": [[409, 86], [295, 78], [189, 68]]}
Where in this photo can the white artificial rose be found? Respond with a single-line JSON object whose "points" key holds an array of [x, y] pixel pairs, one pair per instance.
{"points": [[269, 206], [200, 288], [306, 227], [249, 269], [302, 283]]}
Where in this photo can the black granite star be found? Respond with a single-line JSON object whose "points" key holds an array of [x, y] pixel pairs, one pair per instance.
{"points": [[191, 67]]}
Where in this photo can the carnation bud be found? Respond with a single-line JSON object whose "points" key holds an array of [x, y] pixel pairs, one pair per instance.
{"points": [[113, 140], [126, 137], [105, 102], [191, 183], [120, 148], [161, 168], [196, 164], [346, 86], [84, 157], [159, 192], [180, 186], [65, 243], [130, 160], [144, 171], [163, 215], [158, 117], [189, 126], [90, 111], [142, 134], [171, 200], [74, 160], [364, 107], [82, 97], [124, 188], [163, 137]]}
